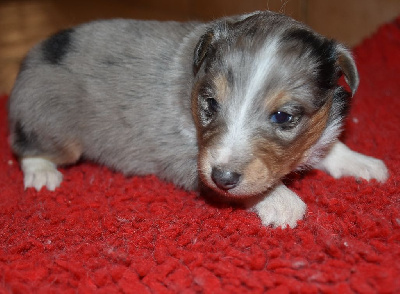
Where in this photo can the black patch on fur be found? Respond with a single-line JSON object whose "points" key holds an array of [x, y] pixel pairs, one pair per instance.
{"points": [[341, 101], [324, 53], [24, 143], [56, 47]]}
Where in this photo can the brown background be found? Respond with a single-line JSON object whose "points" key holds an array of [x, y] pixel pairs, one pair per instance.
{"points": [[23, 22]]}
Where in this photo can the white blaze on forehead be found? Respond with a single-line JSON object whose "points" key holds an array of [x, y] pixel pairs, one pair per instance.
{"points": [[263, 64], [236, 138]]}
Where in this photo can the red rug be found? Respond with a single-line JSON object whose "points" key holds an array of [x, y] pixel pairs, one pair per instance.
{"points": [[106, 233]]}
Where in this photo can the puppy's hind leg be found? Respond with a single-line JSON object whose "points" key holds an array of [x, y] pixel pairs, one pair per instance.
{"points": [[341, 161], [39, 172], [40, 156]]}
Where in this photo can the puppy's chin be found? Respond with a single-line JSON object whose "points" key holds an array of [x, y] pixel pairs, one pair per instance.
{"points": [[241, 193]]}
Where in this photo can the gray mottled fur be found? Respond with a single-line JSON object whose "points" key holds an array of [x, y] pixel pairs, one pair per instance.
{"points": [[123, 90]]}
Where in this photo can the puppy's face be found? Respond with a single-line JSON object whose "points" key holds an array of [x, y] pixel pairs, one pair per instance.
{"points": [[265, 94]]}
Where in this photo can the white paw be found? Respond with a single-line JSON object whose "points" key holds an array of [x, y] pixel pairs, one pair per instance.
{"points": [[39, 172], [341, 161], [281, 208]]}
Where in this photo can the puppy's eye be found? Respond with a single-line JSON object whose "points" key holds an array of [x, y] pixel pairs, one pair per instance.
{"points": [[281, 117], [208, 109], [212, 105]]}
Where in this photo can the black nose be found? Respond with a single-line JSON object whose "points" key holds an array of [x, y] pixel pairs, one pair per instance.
{"points": [[224, 179]]}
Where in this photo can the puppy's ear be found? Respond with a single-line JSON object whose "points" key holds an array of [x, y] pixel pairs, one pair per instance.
{"points": [[203, 48], [208, 43], [348, 67]]}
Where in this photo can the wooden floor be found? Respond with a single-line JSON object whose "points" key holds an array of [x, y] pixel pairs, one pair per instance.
{"points": [[24, 22]]}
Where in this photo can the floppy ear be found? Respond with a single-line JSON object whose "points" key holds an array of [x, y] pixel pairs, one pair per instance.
{"points": [[207, 44], [348, 67], [203, 48]]}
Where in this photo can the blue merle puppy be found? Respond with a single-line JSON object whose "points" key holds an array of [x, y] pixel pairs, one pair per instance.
{"points": [[233, 105]]}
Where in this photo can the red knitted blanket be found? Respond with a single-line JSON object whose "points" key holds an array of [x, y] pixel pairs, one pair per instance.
{"points": [[103, 232]]}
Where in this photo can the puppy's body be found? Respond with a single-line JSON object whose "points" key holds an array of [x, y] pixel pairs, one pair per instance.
{"points": [[239, 103], [119, 95]]}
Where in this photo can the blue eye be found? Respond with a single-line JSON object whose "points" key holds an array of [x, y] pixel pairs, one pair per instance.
{"points": [[280, 117]]}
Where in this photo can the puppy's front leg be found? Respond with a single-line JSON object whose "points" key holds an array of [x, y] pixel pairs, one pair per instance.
{"points": [[280, 208], [341, 161]]}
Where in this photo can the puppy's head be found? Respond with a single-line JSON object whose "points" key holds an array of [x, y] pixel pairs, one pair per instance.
{"points": [[266, 100]]}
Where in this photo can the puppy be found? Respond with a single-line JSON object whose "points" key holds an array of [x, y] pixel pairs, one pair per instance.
{"points": [[233, 105]]}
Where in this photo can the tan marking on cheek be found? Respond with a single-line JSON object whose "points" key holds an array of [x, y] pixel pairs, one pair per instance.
{"points": [[316, 126], [195, 106], [281, 161], [208, 143], [274, 157], [256, 172], [314, 129], [204, 165], [275, 101], [222, 88]]}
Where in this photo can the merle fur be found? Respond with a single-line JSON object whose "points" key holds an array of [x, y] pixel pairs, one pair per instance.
{"points": [[57, 46]]}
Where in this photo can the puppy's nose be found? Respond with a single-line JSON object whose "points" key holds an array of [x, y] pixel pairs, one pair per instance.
{"points": [[224, 179]]}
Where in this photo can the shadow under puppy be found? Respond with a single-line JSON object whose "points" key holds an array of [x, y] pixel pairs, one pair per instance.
{"points": [[237, 103]]}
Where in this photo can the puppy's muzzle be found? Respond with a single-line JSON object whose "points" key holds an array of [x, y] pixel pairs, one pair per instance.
{"points": [[225, 179]]}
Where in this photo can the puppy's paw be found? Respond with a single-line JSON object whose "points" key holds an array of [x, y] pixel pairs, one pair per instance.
{"points": [[360, 166], [280, 208], [39, 172], [341, 161]]}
